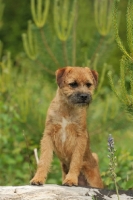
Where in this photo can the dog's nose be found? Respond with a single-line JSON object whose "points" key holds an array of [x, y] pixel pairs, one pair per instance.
{"points": [[83, 96]]}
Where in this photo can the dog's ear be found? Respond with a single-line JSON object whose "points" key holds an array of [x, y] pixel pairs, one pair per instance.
{"points": [[59, 76], [95, 75]]}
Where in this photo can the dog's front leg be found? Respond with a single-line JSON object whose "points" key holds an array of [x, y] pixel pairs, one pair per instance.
{"points": [[45, 160], [76, 162]]}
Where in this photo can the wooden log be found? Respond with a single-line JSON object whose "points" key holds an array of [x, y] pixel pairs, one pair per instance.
{"points": [[56, 192]]}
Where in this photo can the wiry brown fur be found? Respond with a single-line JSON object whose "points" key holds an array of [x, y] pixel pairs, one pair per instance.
{"points": [[66, 131]]}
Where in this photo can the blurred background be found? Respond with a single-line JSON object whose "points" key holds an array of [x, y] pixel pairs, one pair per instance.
{"points": [[37, 38]]}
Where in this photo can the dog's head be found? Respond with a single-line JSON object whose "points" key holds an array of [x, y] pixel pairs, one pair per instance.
{"points": [[77, 84]]}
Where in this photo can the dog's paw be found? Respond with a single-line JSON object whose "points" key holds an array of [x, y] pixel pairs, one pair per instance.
{"points": [[70, 182], [36, 181]]}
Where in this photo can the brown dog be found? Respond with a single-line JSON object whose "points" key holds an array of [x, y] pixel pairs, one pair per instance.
{"points": [[66, 129]]}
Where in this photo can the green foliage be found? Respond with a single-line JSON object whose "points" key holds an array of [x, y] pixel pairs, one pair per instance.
{"points": [[29, 42], [60, 45], [123, 171], [63, 18], [5, 73], [115, 22], [125, 93], [62, 28], [2, 5], [39, 14], [130, 25], [19, 105], [103, 16], [10, 33]]}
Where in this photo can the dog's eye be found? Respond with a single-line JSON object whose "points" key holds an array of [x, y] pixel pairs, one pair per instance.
{"points": [[73, 84], [88, 85]]}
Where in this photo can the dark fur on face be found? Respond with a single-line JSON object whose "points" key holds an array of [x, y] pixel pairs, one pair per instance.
{"points": [[80, 99]]}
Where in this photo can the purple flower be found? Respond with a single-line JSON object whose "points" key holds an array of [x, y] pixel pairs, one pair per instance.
{"points": [[111, 142]]}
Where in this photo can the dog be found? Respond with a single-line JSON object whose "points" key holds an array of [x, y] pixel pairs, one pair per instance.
{"points": [[66, 130]]}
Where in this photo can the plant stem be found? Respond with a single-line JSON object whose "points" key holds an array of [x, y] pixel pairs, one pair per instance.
{"points": [[65, 52], [48, 48], [74, 39], [98, 48], [116, 188], [44, 68], [36, 156]]}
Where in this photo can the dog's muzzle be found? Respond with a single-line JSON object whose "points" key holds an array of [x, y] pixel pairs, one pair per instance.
{"points": [[80, 98]]}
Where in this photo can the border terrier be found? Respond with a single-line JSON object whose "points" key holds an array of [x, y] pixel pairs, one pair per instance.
{"points": [[66, 130]]}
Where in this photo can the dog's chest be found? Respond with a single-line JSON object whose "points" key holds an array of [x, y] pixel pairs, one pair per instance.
{"points": [[64, 138], [64, 126]]}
